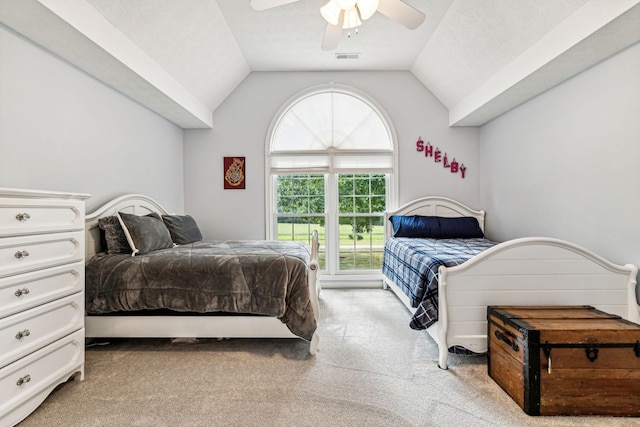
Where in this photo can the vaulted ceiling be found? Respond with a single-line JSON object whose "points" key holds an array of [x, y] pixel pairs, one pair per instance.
{"points": [[181, 59]]}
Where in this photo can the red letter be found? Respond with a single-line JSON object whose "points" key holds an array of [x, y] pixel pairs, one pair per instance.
{"points": [[462, 169], [446, 162], [419, 145], [454, 166], [438, 155], [428, 150]]}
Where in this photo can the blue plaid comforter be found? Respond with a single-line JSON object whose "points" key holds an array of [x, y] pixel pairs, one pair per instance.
{"points": [[413, 263]]}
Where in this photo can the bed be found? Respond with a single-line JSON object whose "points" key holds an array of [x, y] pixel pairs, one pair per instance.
{"points": [[252, 306], [524, 271]]}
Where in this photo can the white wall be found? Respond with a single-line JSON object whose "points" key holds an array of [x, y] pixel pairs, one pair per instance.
{"points": [[62, 130], [240, 128], [566, 164]]}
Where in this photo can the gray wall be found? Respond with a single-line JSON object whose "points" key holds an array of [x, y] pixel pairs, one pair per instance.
{"points": [[566, 164], [240, 129], [62, 130]]}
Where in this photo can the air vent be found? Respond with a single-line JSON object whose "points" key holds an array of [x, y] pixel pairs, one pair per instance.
{"points": [[347, 55]]}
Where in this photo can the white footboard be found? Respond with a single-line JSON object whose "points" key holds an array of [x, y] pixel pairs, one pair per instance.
{"points": [[527, 271]]}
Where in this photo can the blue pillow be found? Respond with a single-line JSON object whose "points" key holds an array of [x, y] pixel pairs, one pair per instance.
{"points": [[436, 227]]}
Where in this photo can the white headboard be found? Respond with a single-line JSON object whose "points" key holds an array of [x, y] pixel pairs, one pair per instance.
{"points": [[130, 203], [432, 206]]}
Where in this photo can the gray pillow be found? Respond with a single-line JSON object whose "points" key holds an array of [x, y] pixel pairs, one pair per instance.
{"points": [[145, 233], [114, 238], [183, 229]]}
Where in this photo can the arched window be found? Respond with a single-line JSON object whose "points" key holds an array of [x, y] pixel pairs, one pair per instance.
{"points": [[331, 163]]}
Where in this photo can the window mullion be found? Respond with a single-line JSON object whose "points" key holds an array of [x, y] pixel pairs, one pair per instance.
{"points": [[332, 239]]}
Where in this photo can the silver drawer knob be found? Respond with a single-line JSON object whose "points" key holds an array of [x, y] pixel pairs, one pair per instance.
{"points": [[23, 216], [20, 292], [23, 380], [23, 334], [22, 254]]}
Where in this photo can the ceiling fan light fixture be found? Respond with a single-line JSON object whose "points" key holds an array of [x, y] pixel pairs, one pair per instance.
{"points": [[367, 8], [351, 18], [354, 14], [345, 4], [331, 12]]}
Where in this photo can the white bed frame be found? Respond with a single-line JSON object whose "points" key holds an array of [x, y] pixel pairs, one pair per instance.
{"points": [[526, 271], [184, 326]]}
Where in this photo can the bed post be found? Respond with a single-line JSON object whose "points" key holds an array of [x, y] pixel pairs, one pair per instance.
{"points": [[314, 289], [633, 313], [443, 320]]}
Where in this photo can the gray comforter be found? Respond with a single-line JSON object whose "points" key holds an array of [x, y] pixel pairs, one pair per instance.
{"points": [[248, 277]]}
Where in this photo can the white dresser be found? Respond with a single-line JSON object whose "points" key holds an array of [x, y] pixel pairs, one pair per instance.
{"points": [[42, 247]]}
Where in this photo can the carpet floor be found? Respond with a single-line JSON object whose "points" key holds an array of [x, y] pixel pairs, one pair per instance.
{"points": [[371, 370]]}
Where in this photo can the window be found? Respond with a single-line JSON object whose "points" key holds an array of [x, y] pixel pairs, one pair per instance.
{"points": [[300, 209], [331, 165], [362, 200]]}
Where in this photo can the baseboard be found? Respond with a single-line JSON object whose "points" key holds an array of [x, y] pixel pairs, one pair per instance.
{"points": [[351, 282]]}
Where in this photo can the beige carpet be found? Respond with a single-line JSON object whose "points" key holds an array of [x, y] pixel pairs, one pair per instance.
{"points": [[371, 370]]}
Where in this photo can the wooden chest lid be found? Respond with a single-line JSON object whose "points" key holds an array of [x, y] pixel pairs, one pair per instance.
{"points": [[526, 318]]}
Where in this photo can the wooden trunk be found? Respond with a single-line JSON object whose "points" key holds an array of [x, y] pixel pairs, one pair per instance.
{"points": [[565, 360]]}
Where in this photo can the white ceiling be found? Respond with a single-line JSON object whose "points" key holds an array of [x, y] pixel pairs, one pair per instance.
{"points": [[181, 59]]}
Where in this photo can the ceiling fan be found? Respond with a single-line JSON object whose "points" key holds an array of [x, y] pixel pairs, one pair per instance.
{"points": [[344, 14]]}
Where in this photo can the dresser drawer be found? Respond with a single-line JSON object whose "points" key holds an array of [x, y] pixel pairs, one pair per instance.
{"points": [[28, 290], [30, 216], [29, 330], [27, 253], [27, 382]]}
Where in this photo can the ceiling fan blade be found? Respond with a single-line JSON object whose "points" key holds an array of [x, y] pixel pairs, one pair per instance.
{"points": [[332, 34], [331, 37], [402, 13], [268, 4]]}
